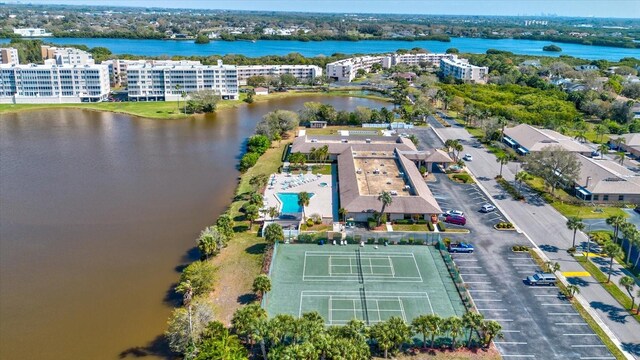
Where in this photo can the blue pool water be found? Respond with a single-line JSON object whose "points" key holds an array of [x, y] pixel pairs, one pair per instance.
{"points": [[290, 203]]}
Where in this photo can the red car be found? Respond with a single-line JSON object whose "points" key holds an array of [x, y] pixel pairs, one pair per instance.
{"points": [[454, 219]]}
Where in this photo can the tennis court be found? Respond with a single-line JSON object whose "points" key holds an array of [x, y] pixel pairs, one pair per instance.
{"points": [[349, 282]]}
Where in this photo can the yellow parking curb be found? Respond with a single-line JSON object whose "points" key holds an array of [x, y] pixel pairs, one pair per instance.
{"points": [[591, 254], [575, 273]]}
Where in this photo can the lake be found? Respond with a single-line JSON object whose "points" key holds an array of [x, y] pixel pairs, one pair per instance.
{"points": [[98, 210], [283, 47]]}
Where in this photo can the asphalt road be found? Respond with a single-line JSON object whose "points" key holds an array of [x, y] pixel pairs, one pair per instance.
{"points": [[537, 322]]}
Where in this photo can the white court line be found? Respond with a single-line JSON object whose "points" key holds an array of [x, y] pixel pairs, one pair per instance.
{"points": [[417, 267], [304, 267], [378, 308], [571, 314], [370, 266], [355, 314], [330, 310], [579, 335], [393, 271], [404, 316], [588, 346], [429, 300], [572, 324]]}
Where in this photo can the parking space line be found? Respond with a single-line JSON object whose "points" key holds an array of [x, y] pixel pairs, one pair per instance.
{"points": [[469, 267], [514, 355], [568, 314], [510, 331], [499, 320], [487, 300], [480, 290], [456, 259], [594, 357], [499, 310], [470, 274], [552, 304], [510, 342], [546, 295], [588, 346], [579, 335], [477, 282], [572, 324]]}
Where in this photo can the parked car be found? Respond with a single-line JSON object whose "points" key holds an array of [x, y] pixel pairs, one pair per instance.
{"points": [[457, 220], [595, 153], [487, 208], [454, 212], [637, 209], [460, 248], [467, 157], [541, 279]]}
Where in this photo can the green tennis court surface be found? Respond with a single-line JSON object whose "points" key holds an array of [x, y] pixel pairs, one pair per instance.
{"points": [[347, 282]]}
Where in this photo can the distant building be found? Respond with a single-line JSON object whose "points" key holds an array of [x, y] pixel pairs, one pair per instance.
{"points": [[118, 67], [586, 67], [168, 82], [300, 72], [318, 124], [461, 69], [32, 32], [525, 138], [9, 56], [261, 91], [533, 63], [631, 143], [432, 59], [53, 84], [65, 56], [606, 181]]}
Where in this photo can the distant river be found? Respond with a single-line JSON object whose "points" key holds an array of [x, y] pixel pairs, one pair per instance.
{"points": [[316, 48], [96, 212]]}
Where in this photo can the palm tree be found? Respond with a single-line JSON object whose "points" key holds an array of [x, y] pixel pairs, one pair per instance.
{"points": [[621, 156], [207, 243], [386, 199], [502, 121], [178, 87], [245, 320], [427, 325], [342, 212], [551, 267], [491, 329], [184, 96], [448, 145], [581, 136], [261, 284], [628, 283], [619, 141], [458, 148], [471, 322], [612, 250], [572, 290], [273, 212], [616, 221], [186, 289], [454, 326], [502, 159], [632, 235], [603, 149], [381, 333], [601, 129], [520, 177], [575, 223], [303, 201]]}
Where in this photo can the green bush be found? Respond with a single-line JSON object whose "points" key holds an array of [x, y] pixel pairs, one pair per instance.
{"points": [[421, 221], [310, 222], [430, 226], [248, 160], [510, 189], [465, 178], [441, 226], [520, 248], [371, 241], [372, 224], [403, 222]]}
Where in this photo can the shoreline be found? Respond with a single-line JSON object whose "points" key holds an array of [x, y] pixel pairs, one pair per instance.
{"points": [[167, 110]]}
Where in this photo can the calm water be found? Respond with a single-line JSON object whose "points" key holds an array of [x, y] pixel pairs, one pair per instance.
{"points": [[96, 212], [283, 47]]}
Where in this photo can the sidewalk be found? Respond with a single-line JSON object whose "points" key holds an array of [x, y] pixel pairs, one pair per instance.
{"points": [[547, 229]]}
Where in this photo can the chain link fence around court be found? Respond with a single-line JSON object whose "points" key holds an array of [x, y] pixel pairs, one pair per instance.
{"points": [[455, 275], [369, 237]]}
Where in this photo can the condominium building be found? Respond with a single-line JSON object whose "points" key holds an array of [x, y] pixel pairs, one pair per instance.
{"points": [[9, 56], [65, 56], [53, 84], [118, 67], [300, 72], [346, 69], [432, 59], [32, 32], [461, 69], [168, 82]]}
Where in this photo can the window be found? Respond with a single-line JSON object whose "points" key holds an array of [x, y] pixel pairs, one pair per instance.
{"points": [[605, 197], [596, 197], [620, 197]]}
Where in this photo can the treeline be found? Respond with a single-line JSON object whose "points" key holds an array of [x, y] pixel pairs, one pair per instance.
{"points": [[315, 111], [588, 40]]}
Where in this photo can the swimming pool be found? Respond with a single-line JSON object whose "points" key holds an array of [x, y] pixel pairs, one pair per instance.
{"points": [[290, 202]]}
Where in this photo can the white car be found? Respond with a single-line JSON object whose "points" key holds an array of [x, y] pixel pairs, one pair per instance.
{"points": [[467, 157], [487, 208], [454, 213]]}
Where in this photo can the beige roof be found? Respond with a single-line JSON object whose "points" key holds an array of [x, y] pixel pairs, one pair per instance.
{"points": [[421, 200], [428, 155], [630, 140], [305, 143], [535, 139], [607, 177]]}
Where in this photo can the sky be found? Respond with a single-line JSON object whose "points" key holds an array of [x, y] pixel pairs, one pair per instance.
{"points": [[597, 8]]}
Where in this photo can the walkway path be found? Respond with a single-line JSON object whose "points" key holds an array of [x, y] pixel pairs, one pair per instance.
{"points": [[546, 228]]}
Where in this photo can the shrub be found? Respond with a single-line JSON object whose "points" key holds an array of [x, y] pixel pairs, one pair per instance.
{"points": [[371, 241], [510, 189], [248, 161], [372, 224], [421, 221], [309, 222], [305, 238], [258, 144], [465, 178], [403, 221], [430, 226], [520, 248], [316, 218], [446, 241], [441, 226], [571, 250]]}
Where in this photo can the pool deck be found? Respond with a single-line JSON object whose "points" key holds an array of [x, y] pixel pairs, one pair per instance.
{"points": [[320, 202]]}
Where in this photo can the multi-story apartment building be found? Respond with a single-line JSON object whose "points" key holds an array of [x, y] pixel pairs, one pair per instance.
{"points": [[118, 67], [301, 72], [9, 56], [65, 56], [346, 69], [461, 69], [32, 32], [168, 82], [432, 59], [53, 84]]}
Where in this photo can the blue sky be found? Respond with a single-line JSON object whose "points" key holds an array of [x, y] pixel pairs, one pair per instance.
{"points": [[598, 8]]}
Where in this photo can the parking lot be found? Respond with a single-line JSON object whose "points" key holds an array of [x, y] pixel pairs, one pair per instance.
{"points": [[537, 321]]}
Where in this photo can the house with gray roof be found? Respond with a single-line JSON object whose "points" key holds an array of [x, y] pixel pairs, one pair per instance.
{"points": [[525, 138], [606, 181], [630, 144]]}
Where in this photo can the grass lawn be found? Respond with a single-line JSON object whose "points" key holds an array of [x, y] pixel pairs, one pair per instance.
{"points": [[316, 227], [586, 316], [613, 289], [333, 130], [410, 227], [321, 169], [475, 132]]}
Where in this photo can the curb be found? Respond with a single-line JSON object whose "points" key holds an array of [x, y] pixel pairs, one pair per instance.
{"points": [[561, 277]]}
